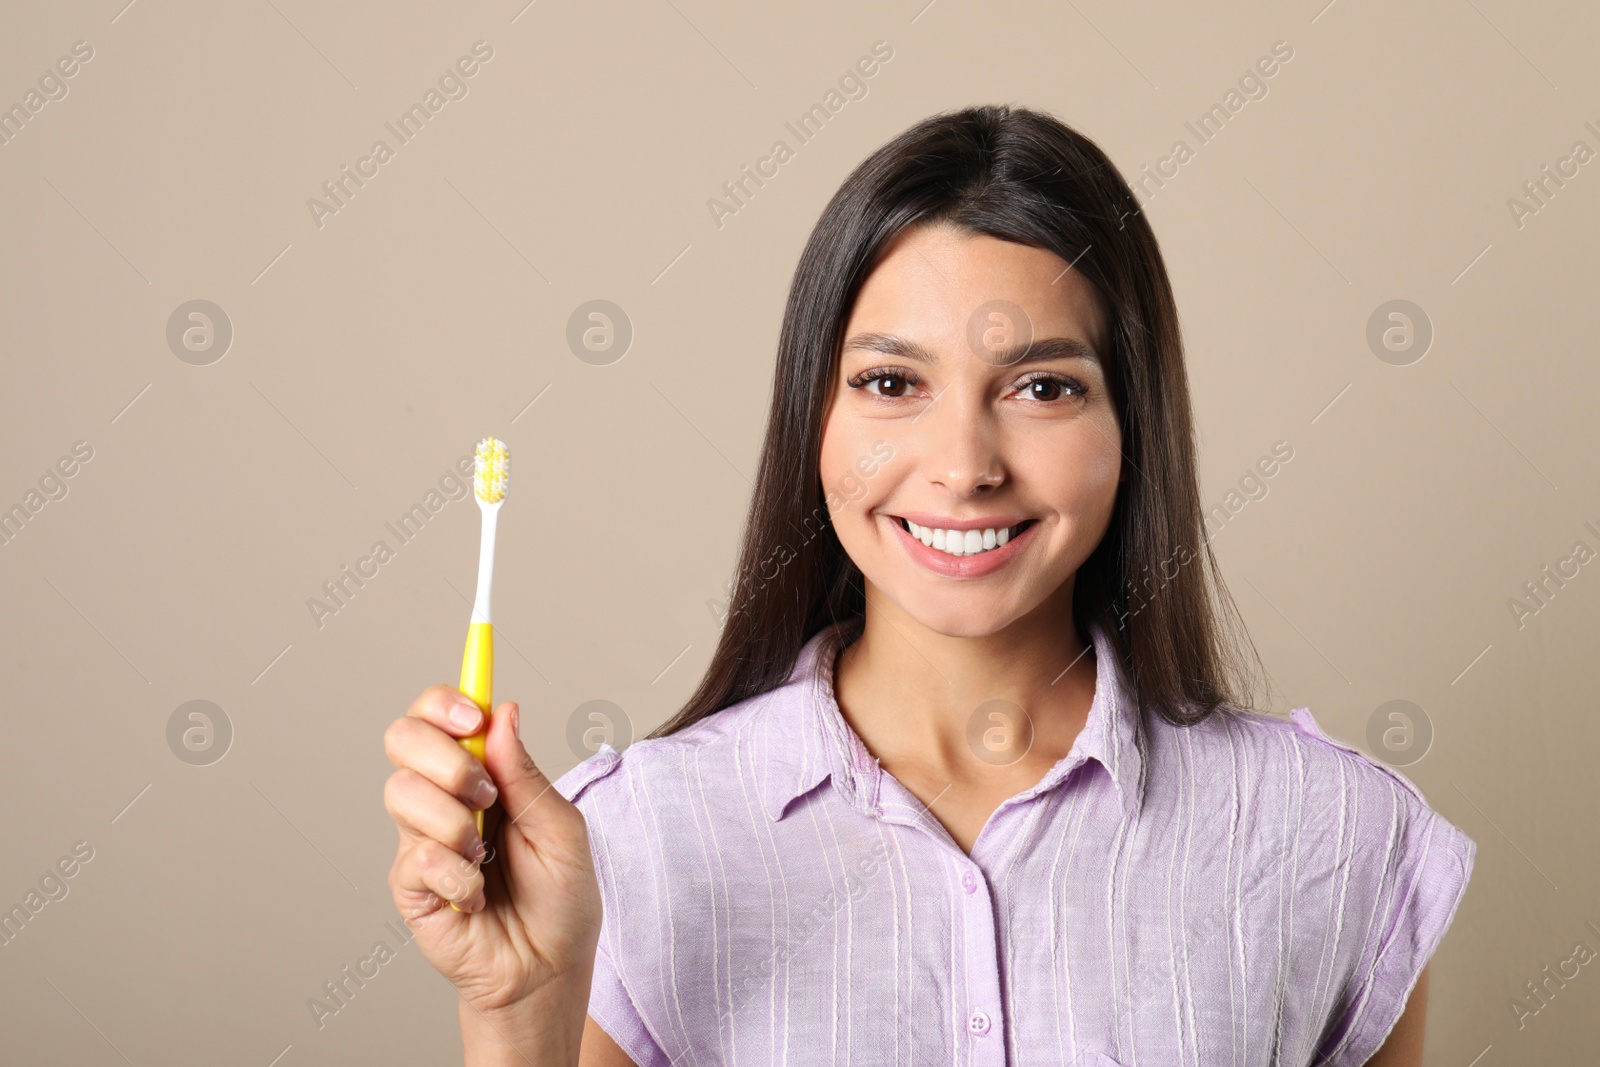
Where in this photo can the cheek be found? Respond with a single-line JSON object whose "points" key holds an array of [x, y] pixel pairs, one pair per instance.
{"points": [[846, 464], [831, 462], [1103, 469], [1082, 471]]}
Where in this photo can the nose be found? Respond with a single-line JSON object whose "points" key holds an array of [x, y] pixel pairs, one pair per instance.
{"points": [[961, 449]]}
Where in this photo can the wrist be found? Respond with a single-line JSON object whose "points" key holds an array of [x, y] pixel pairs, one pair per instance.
{"points": [[545, 1030]]}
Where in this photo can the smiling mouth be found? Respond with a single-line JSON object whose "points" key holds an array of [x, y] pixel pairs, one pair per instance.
{"points": [[963, 542]]}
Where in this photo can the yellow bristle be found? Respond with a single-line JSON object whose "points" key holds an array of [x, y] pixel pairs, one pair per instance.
{"points": [[491, 470]]}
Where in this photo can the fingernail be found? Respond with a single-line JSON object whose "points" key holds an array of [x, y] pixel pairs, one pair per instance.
{"points": [[479, 851], [465, 716], [516, 721], [484, 794]]}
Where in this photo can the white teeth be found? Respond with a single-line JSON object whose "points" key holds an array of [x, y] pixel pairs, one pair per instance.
{"points": [[960, 542]]}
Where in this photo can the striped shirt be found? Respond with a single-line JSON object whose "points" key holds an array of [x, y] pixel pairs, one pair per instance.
{"points": [[1247, 891]]}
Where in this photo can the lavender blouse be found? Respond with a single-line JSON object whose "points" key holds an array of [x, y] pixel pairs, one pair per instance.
{"points": [[1248, 891]]}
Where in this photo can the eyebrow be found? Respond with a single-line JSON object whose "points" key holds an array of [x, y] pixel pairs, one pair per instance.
{"points": [[1038, 351]]}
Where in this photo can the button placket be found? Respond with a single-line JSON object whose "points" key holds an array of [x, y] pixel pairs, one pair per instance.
{"points": [[983, 1017]]}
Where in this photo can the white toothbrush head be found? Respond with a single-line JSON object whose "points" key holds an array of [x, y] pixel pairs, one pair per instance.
{"points": [[491, 471]]}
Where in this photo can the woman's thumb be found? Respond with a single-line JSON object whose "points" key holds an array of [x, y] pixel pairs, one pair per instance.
{"points": [[526, 794]]}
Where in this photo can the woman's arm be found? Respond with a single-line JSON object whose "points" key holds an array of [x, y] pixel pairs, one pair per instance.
{"points": [[543, 1030], [599, 1050], [489, 1043], [1404, 1045]]}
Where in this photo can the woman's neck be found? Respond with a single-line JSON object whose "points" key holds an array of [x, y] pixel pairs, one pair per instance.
{"points": [[988, 713]]}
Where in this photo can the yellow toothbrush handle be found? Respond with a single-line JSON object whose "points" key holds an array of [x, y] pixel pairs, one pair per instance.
{"points": [[477, 682]]}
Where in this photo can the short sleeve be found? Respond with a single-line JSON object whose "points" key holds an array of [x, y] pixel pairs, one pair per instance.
{"points": [[1420, 867], [612, 1007], [610, 1003], [578, 778]]}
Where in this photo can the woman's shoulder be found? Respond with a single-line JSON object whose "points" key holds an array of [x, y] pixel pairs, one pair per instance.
{"points": [[1296, 746], [710, 751], [1376, 873], [1317, 799]]}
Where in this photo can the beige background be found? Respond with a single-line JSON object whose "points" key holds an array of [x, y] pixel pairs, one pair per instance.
{"points": [[369, 353]]}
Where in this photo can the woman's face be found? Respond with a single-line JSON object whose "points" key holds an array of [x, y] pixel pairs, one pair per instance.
{"points": [[944, 416]]}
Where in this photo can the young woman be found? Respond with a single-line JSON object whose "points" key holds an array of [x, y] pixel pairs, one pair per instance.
{"points": [[970, 778]]}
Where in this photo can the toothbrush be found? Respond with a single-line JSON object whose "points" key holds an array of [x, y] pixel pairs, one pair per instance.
{"points": [[491, 470]]}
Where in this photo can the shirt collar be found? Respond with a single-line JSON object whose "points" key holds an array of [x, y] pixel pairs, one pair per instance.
{"points": [[800, 746]]}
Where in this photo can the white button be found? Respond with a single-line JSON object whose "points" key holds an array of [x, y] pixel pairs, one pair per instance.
{"points": [[968, 882], [978, 1023]]}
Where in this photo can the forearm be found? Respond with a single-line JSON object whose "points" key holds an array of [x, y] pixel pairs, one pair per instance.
{"points": [[544, 1032]]}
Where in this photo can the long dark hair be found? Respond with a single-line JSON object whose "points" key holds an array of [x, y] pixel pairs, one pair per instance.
{"points": [[1022, 176]]}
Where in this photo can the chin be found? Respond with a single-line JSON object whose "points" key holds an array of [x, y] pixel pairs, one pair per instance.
{"points": [[957, 614]]}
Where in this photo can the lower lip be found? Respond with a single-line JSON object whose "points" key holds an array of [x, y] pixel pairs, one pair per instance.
{"points": [[974, 566]]}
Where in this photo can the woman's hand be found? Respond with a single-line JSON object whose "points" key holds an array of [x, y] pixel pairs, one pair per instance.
{"points": [[530, 912]]}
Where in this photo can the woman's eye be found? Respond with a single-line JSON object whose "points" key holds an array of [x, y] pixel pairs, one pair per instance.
{"points": [[889, 386], [1050, 388]]}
